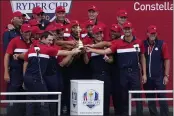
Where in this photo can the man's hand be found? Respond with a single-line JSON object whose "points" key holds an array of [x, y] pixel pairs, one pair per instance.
{"points": [[10, 27], [16, 56], [76, 51], [89, 45], [88, 49], [73, 43], [144, 79], [165, 80], [106, 58], [7, 77]]}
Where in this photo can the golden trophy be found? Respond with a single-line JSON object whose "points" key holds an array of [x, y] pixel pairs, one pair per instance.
{"points": [[80, 43]]}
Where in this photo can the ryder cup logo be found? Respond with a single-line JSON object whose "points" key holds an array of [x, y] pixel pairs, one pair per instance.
{"points": [[48, 6], [74, 97], [91, 98]]}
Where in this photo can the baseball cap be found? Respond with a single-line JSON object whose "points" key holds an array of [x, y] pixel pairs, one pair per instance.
{"points": [[92, 7], [33, 22], [122, 13], [74, 23], [51, 28], [37, 10], [152, 29], [97, 29], [60, 9], [116, 28], [127, 24], [35, 29], [89, 22], [26, 28], [59, 26], [17, 14]]}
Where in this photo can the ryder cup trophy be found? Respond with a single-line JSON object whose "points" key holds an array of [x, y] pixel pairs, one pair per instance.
{"points": [[80, 43]]}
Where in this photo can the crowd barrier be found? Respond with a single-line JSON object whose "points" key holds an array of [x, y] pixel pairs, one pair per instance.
{"points": [[147, 99], [131, 99], [33, 101]]}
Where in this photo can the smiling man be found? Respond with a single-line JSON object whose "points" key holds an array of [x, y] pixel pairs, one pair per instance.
{"points": [[93, 13], [128, 51]]}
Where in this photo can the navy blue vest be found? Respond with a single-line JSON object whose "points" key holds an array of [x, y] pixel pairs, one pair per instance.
{"points": [[154, 61]]}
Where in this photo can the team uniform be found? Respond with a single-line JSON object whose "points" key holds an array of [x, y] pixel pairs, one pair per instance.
{"points": [[16, 46], [75, 70], [8, 35], [155, 56], [33, 78], [129, 71], [115, 78], [53, 78], [101, 71]]}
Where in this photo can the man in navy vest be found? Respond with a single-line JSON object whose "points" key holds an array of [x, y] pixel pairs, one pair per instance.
{"points": [[158, 64], [13, 32]]}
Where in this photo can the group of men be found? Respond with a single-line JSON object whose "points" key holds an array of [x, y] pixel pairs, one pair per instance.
{"points": [[43, 56]]}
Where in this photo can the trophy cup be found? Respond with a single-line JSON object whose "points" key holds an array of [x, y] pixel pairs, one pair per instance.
{"points": [[80, 43]]}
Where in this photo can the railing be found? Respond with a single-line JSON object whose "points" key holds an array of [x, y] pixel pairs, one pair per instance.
{"points": [[147, 99], [34, 101]]}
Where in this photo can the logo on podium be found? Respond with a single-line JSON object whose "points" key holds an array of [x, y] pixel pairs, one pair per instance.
{"points": [[74, 97], [91, 98]]}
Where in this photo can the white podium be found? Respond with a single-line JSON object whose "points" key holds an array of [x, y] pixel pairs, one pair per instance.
{"points": [[86, 97]]}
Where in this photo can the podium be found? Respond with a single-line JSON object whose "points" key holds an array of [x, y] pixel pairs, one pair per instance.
{"points": [[86, 97]]}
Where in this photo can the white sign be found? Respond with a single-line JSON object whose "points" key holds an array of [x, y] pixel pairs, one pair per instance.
{"points": [[89, 97], [26, 6]]}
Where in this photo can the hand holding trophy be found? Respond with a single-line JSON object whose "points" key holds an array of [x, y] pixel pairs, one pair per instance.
{"points": [[80, 43]]}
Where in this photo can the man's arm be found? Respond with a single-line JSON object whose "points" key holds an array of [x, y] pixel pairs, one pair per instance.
{"points": [[62, 42], [6, 64], [143, 65], [100, 44], [18, 56], [86, 58], [98, 51], [25, 67], [66, 53], [6, 40], [167, 67], [66, 61]]}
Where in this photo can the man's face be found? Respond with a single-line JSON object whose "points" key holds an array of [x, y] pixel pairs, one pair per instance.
{"points": [[26, 35], [49, 40], [38, 17], [152, 36], [92, 14], [37, 36], [114, 35], [74, 29], [121, 20], [60, 16], [60, 33], [98, 36], [127, 31], [18, 20], [89, 29]]}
